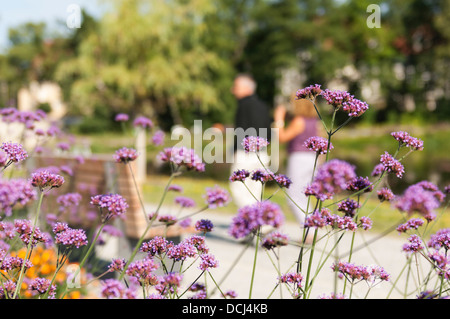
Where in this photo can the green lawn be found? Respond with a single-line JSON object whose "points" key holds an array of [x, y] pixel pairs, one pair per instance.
{"points": [[361, 146]]}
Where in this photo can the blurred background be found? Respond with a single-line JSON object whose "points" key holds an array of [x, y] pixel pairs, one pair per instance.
{"points": [[174, 61]]}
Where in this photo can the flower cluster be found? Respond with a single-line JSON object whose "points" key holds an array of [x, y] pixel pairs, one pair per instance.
{"points": [[142, 270], [125, 155], [158, 138], [14, 151], [239, 175], [46, 180], [385, 194], [414, 244], [254, 143], [407, 140], [66, 236], [345, 101], [29, 233], [318, 144], [121, 117], [441, 239], [143, 122], [348, 207], [360, 184], [184, 201], [261, 175], [324, 217], [17, 191], [274, 239], [204, 226], [114, 204], [42, 285], [331, 178], [68, 200], [391, 165], [182, 157], [413, 223], [310, 92], [423, 198], [217, 197], [207, 261], [356, 273], [251, 217], [115, 289]]}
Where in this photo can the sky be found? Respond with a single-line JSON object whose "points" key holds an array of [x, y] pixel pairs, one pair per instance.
{"points": [[16, 12]]}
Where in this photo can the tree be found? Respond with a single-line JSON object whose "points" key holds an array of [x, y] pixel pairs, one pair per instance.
{"points": [[147, 58]]}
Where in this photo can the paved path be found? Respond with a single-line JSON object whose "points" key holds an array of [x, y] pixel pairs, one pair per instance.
{"points": [[385, 251]]}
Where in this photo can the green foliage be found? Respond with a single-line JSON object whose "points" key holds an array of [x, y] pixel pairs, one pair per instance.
{"points": [[147, 58]]}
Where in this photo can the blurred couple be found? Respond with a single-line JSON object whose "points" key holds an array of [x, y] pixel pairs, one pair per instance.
{"points": [[294, 123]]}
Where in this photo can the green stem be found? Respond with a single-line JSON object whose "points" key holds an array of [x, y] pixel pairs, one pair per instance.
{"points": [[254, 264], [307, 286], [88, 253], [36, 219]]}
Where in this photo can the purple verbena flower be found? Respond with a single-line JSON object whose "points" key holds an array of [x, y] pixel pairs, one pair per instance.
{"points": [[112, 289], [204, 225], [125, 155], [413, 223], [385, 194], [331, 178], [283, 181], [239, 175], [27, 232], [114, 204], [142, 270], [441, 239], [345, 101], [44, 179], [348, 207], [143, 122], [414, 245], [217, 197], [182, 157], [168, 220], [254, 143], [421, 199], [274, 239], [407, 140], [158, 138], [14, 152], [71, 238], [42, 285], [392, 165], [365, 223], [360, 183], [318, 144], [207, 261], [156, 246], [185, 201], [117, 264], [262, 175], [121, 117], [250, 217], [310, 92]]}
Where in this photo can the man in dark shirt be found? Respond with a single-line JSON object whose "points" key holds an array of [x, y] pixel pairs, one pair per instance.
{"points": [[252, 119], [252, 115]]}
